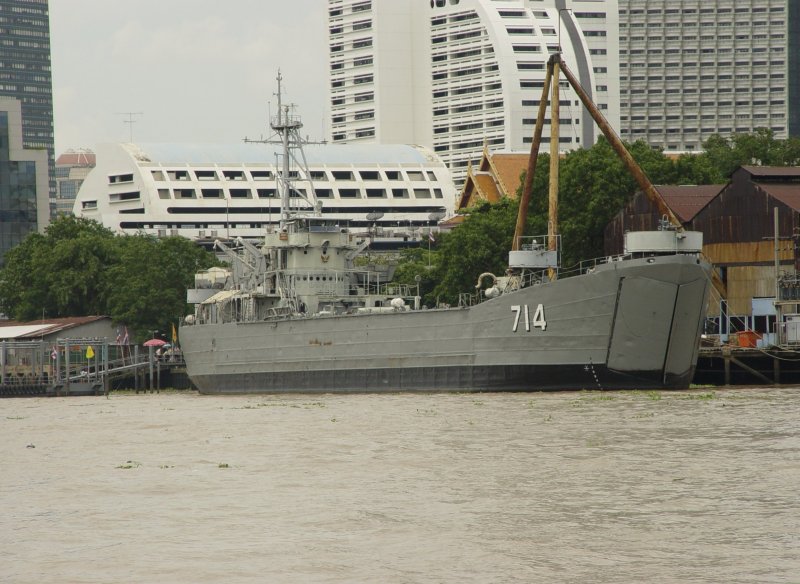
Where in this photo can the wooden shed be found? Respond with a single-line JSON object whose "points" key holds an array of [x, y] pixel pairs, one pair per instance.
{"points": [[686, 201], [737, 222], [739, 233]]}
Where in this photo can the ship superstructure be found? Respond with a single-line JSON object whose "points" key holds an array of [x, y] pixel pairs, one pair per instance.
{"points": [[297, 314]]}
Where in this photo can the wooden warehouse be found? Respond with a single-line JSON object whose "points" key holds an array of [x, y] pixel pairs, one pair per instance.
{"points": [[640, 215], [738, 231], [737, 222]]}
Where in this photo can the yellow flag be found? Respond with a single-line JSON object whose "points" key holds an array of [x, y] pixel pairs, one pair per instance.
{"points": [[89, 352], [174, 334]]}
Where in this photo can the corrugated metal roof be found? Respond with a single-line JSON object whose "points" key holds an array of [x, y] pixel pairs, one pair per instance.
{"points": [[786, 193], [773, 171], [12, 329], [186, 153], [687, 201], [22, 331]]}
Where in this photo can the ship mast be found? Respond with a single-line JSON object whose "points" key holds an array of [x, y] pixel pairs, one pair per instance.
{"points": [[284, 125]]}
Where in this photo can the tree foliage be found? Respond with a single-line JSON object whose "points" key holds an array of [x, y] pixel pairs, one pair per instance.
{"points": [[759, 148], [78, 267], [594, 185]]}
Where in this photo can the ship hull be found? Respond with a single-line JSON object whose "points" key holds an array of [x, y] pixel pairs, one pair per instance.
{"points": [[633, 324]]}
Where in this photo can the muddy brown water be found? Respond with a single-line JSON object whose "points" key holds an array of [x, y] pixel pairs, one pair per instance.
{"points": [[697, 486]]}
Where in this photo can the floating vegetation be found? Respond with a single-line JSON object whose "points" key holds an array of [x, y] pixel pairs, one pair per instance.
{"points": [[424, 412], [15, 417], [223, 465], [643, 415], [130, 464], [167, 466], [700, 396], [599, 397], [280, 404], [654, 395]]}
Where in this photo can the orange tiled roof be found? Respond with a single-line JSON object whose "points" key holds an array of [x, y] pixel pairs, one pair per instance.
{"points": [[498, 175]]}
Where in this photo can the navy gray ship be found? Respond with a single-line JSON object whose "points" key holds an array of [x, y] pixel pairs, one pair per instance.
{"points": [[299, 314]]}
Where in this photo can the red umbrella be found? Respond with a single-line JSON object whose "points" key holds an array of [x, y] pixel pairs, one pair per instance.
{"points": [[155, 343]]}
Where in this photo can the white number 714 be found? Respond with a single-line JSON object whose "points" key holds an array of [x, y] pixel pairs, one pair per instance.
{"points": [[538, 320]]}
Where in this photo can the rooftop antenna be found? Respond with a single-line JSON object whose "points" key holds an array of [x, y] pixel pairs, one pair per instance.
{"points": [[130, 121]]}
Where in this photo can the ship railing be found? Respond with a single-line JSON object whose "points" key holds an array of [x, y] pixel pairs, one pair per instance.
{"points": [[588, 266], [399, 290], [536, 277], [287, 290], [279, 312], [466, 299]]}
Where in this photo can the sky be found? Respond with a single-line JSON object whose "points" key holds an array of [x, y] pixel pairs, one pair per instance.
{"points": [[191, 70]]}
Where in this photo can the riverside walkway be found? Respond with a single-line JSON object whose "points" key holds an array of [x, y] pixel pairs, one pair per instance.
{"points": [[81, 366]]}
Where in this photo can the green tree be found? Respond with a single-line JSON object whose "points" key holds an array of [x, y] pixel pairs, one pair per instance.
{"points": [[423, 263], [78, 267], [59, 273], [693, 169], [20, 296], [594, 185], [758, 148], [146, 289]]}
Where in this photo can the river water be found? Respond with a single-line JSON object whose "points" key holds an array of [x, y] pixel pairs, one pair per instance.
{"points": [[697, 486]]}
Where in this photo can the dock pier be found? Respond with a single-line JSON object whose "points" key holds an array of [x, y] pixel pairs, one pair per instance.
{"points": [[80, 366], [732, 365]]}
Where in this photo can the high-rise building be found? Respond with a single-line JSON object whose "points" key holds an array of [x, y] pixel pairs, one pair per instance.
{"points": [[23, 181], [25, 73], [72, 168], [454, 75], [693, 68]]}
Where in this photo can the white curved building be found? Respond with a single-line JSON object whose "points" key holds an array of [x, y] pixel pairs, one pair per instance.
{"points": [[455, 75], [210, 191]]}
